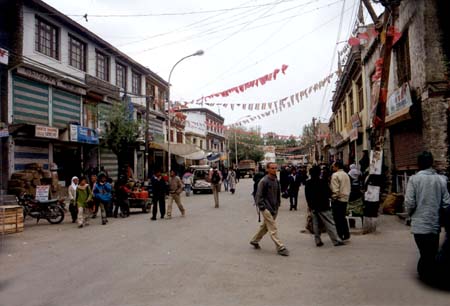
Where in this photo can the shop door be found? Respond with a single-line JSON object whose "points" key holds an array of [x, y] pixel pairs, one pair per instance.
{"points": [[68, 160]]}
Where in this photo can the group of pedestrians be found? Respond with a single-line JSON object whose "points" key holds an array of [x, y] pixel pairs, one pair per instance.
{"points": [[86, 198], [318, 194]]}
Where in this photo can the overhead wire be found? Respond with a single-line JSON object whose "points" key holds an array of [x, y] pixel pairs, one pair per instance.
{"points": [[268, 38], [333, 56], [230, 25], [180, 13], [245, 25]]}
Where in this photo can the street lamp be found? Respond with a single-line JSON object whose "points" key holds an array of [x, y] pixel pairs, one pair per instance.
{"points": [[198, 53]]}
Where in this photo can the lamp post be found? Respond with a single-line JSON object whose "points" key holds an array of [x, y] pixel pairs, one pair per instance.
{"points": [[198, 53]]}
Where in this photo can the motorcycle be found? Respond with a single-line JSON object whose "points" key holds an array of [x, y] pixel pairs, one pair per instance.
{"points": [[52, 210]]}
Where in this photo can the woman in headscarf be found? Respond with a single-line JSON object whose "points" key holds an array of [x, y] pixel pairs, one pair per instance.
{"points": [[83, 196], [355, 180], [72, 196]]}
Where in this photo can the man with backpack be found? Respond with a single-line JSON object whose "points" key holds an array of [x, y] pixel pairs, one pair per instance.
{"points": [[268, 199], [215, 177]]}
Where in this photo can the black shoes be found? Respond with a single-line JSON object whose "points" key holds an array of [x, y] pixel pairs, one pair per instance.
{"points": [[255, 244], [283, 251], [319, 244]]}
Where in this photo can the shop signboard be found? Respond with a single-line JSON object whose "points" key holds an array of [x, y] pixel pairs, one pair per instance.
{"points": [[83, 134], [46, 132], [399, 100], [42, 192], [4, 133], [353, 134], [4, 56], [356, 123]]}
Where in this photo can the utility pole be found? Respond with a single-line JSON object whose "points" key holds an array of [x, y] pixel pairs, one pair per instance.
{"points": [[390, 15], [314, 139], [147, 135]]}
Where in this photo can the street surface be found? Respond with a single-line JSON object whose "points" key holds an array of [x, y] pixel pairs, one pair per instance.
{"points": [[205, 259]]}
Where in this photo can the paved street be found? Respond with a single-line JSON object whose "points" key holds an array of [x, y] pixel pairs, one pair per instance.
{"points": [[205, 259]]}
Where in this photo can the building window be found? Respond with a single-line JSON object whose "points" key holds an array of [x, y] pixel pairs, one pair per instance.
{"points": [[102, 66], [403, 59], [46, 38], [201, 144], [194, 140], [136, 83], [90, 115], [171, 136], [360, 95], [121, 76], [77, 53], [179, 137]]}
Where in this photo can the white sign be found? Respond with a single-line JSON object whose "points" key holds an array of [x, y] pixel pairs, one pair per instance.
{"points": [[399, 99], [4, 56], [4, 133], [42, 192], [372, 194], [376, 162], [46, 132]]}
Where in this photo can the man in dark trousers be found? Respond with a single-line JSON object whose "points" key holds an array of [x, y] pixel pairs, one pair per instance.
{"points": [[340, 192], [317, 195], [159, 189], [268, 199], [426, 196], [294, 181]]}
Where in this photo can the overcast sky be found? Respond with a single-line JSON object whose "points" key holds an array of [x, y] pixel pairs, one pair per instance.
{"points": [[242, 41]]}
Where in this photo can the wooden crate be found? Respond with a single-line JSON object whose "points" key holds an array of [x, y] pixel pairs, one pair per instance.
{"points": [[11, 219]]}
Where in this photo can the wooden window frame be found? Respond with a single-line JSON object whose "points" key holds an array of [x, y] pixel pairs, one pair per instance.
{"points": [[136, 83], [77, 48], [123, 83], [46, 37], [101, 61]]}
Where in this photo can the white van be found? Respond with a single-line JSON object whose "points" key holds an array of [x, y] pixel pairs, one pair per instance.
{"points": [[200, 180]]}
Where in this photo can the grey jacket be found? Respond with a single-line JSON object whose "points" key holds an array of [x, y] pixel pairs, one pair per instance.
{"points": [[425, 194], [268, 195]]}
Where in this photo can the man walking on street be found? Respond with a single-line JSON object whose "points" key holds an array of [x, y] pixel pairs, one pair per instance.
{"points": [[102, 193], [175, 189], [426, 195], [159, 189], [340, 192], [215, 177], [317, 195], [268, 199]]}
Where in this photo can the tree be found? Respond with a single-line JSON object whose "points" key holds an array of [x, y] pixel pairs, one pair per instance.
{"points": [[249, 144], [121, 133]]}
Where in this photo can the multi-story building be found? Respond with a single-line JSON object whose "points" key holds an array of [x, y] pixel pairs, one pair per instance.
{"points": [[346, 129], [417, 103], [60, 80], [211, 135]]}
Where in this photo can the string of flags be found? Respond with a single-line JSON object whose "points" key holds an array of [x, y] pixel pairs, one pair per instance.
{"points": [[261, 81], [288, 101], [371, 32]]}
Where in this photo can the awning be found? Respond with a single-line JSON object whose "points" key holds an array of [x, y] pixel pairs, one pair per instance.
{"points": [[213, 157], [188, 151]]}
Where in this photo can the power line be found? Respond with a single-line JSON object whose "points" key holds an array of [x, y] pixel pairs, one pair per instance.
{"points": [[220, 28], [286, 21], [178, 13], [333, 56]]}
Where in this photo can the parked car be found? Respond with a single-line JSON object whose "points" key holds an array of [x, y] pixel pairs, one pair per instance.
{"points": [[200, 182]]}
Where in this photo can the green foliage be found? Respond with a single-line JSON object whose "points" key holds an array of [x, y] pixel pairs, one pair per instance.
{"points": [[121, 131], [250, 143]]}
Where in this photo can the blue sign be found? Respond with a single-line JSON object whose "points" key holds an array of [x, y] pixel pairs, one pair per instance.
{"points": [[83, 134]]}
